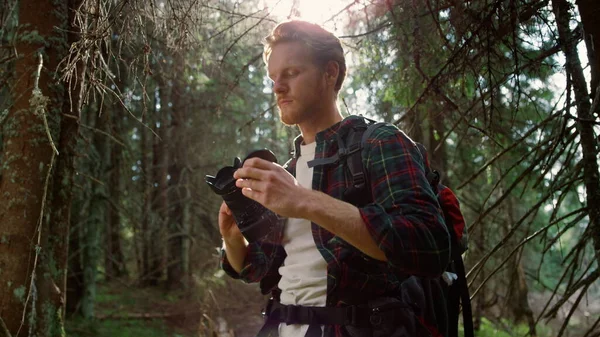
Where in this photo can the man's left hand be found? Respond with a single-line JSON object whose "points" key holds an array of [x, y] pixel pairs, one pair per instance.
{"points": [[270, 185]]}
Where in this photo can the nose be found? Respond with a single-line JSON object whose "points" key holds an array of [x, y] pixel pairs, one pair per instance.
{"points": [[280, 87]]}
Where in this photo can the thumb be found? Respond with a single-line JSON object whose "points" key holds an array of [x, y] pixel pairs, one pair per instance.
{"points": [[226, 209]]}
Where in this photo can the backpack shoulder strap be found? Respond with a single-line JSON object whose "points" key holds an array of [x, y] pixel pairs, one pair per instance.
{"points": [[350, 146], [359, 191]]}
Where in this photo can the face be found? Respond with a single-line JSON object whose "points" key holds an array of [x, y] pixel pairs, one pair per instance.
{"points": [[299, 85]]}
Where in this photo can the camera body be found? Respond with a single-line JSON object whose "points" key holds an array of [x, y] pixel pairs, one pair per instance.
{"points": [[253, 219]]}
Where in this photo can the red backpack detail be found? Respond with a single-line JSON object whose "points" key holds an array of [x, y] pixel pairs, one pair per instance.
{"points": [[452, 214]]}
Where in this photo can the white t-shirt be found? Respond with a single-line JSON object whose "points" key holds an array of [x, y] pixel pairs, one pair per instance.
{"points": [[304, 271]]}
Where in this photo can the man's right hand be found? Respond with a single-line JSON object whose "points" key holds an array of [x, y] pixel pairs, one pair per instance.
{"points": [[235, 244], [227, 225]]}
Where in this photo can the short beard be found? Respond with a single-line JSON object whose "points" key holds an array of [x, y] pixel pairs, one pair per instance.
{"points": [[281, 118], [304, 114]]}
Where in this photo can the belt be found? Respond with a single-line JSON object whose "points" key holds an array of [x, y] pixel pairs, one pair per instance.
{"points": [[297, 314]]}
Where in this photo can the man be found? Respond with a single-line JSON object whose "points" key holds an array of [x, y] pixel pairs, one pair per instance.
{"points": [[331, 253]]}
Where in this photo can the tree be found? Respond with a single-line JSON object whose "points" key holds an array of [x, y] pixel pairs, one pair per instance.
{"points": [[476, 72], [37, 162]]}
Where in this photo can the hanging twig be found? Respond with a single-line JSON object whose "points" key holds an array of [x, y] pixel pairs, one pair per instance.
{"points": [[38, 102], [37, 247], [4, 328]]}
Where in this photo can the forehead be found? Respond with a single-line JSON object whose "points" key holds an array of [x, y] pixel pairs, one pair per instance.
{"points": [[288, 54]]}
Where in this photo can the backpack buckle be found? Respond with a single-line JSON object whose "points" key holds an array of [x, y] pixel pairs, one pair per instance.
{"points": [[342, 152], [354, 147], [267, 310], [358, 180]]}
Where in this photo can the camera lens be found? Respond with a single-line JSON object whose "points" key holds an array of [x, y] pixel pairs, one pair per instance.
{"points": [[253, 219]]}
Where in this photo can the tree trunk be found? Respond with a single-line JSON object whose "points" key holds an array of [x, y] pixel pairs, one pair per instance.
{"points": [[114, 261], [159, 190], [176, 190], [25, 184], [585, 120], [517, 298], [437, 130], [589, 12], [477, 251], [96, 216], [146, 188], [186, 245], [52, 268], [175, 242], [77, 240], [518, 295], [75, 268], [55, 263]]}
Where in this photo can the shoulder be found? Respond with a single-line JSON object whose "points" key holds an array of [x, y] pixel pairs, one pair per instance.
{"points": [[392, 146], [387, 133]]}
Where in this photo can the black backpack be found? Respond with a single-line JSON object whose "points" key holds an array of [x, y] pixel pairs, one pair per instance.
{"points": [[357, 193]]}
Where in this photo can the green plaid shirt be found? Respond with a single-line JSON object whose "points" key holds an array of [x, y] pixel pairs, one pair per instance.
{"points": [[404, 218]]}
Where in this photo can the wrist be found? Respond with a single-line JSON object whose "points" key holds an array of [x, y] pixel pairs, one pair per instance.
{"points": [[234, 240], [306, 205]]}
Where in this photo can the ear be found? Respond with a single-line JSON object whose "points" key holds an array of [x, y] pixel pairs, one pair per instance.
{"points": [[332, 70]]}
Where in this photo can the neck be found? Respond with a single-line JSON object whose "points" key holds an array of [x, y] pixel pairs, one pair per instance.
{"points": [[321, 120]]}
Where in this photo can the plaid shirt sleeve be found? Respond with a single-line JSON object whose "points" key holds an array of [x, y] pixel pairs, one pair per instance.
{"points": [[405, 218], [262, 259]]}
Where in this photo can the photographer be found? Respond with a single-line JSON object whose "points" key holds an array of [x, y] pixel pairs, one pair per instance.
{"points": [[335, 263]]}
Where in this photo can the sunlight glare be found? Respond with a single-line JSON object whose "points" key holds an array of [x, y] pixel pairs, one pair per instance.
{"points": [[317, 11]]}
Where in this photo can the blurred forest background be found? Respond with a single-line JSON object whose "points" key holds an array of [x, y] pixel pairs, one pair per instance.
{"points": [[113, 111]]}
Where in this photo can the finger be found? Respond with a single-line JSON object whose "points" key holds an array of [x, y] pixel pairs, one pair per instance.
{"points": [[252, 194], [252, 184], [249, 173], [259, 163]]}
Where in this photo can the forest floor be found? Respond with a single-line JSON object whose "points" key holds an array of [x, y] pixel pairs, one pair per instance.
{"points": [[223, 307], [227, 308]]}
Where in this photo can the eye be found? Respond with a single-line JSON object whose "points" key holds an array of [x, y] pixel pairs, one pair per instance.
{"points": [[291, 72]]}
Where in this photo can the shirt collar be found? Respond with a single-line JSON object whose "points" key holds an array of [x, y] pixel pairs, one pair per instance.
{"points": [[328, 133]]}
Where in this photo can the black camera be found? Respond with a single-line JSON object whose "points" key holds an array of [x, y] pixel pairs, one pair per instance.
{"points": [[253, 219]]}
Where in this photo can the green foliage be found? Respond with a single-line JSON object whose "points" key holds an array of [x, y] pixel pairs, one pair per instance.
{"points": [[19, 293], [113, 300], [54, 320], [32, 37], [505, 328], [117, 328]]}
